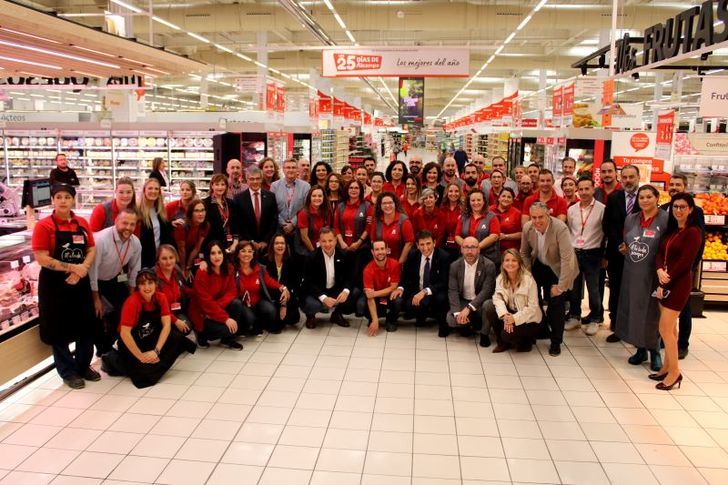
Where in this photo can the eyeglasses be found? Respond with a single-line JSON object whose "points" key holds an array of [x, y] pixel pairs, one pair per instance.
{"points": [[680, 207], [199, 210]]}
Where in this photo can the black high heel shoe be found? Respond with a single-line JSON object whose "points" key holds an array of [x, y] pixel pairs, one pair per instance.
{"points": [[664, 387], [658, 377]]}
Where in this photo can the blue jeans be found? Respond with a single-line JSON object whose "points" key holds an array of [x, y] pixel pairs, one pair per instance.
{"points": [[69, 364], [590, 261]]}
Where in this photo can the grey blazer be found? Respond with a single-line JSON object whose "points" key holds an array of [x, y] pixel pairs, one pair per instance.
{"points": [[286, 213], [484, 283], [560, 255]]}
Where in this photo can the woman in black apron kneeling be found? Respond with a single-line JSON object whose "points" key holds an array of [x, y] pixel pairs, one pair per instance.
{"points": [[147, 346], [63, 245]]}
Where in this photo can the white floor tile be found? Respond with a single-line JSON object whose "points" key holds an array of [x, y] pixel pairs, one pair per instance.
{"points": [[92, 464], [139, 468], [350, 461], [301, 457], [181, 472], [277, 476], [47, 460]]}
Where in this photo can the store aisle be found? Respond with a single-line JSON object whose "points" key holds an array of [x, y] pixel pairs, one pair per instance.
{"points": [[334, 406]]}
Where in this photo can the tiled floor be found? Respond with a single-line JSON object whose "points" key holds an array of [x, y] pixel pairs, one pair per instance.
{"points": [[334, 406]]}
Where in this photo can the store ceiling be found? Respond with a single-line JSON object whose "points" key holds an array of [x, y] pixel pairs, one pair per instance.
{"points": [[559, 34]]}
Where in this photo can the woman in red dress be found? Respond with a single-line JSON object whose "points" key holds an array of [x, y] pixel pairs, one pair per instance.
{"points": [[510, 220], [678, 249]]}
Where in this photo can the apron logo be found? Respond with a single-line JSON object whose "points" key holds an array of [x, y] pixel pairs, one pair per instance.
{"points": [[638, 251], [394, 232], [145, 330], [68, 254]]}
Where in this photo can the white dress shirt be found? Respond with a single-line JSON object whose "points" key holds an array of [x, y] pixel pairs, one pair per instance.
{"points": [[109, 247], [541, 244], [469, 280], [423, 260], [329, 264], [585, 225]]}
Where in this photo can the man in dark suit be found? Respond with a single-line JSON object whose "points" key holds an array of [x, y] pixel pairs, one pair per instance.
{"points": [[620, 203], [678, 183], [424, 281], [470, 284], [257, 210], [327, 282]]}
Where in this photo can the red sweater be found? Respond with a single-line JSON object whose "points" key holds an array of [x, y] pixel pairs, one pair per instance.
{"points": [[175, 210], [172, 290], [389, 187], [250, 284], [212, 293], [188, 238]]}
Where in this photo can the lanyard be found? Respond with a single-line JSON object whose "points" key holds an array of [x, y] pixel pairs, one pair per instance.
{"points": [[584, 221], [291, 192], [121, 257], [224, 213]]}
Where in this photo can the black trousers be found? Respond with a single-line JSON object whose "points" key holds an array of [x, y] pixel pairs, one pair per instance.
{"points": [[389, 309], [253, 320], [521, 338], [218, 330], [312, 305], [434, 306], [106, 332], [555, 312], [615, 267]]}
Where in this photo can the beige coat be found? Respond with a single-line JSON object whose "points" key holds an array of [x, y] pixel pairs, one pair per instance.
{"points": [[560, 255], [523, 299]]}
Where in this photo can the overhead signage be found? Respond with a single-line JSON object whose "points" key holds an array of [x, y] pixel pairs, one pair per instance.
{"points": [[665, 130], [636, 148], [714, 97], [396, 62], [72, 83], [588, 87], [686, 32]]}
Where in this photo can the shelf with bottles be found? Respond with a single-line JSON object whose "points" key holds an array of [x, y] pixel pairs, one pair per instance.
{"points": [[341, 150]]}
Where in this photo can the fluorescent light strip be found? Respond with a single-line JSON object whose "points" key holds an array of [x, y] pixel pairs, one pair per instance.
{"points": [[29, 35], [198, 37], [92, 51], [164, 22], [30, 63], [127, 6], [59, 54]]}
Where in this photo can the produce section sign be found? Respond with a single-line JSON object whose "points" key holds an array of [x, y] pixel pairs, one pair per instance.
{"points": [[396, 62], [714, 97]]}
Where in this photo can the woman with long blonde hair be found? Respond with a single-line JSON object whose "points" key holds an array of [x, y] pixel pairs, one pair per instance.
{"points": [[514, 312], [155, 229]]}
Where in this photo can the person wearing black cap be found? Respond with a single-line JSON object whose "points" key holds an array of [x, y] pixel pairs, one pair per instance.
{"points": [[147, 346], [63, 245]]}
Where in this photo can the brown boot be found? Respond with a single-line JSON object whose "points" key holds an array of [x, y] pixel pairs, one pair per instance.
{"points": [[310, 322]]}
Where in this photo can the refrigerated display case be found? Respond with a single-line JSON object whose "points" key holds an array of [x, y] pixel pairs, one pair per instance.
{"points": [[302, 146]]}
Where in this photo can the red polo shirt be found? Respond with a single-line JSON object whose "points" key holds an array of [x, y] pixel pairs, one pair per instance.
{"points": [[391, 235], [520, 199], [251, 284], [347, 221], [510, 223], [44, 233], [408, 208], [557, 205], [451, 218], [135, 304], [377, 278], [433, 222], [315, 221], [398, 191]]}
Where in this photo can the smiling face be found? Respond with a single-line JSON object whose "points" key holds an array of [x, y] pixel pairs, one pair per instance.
{"points": [[519, 172], [681, 210], [379, 251], [545, 183], [216, 257], [362, 175], [255, 181], [510, 264], [147, 288], [397, 172], [377, 183], [449, 167], [647, 200], [499, 164], [125, 224], [167, 260], [234, 169], [327, 241], [219, 188], [470, 249], [199, 213], [496, 180], [470, 175], [630, 179], [568, 186], [388, 205], [151, 190], [410, 187], [347, 174], [415, 165], [354, 191], [540, 218], [245, 255], [124, 194], [585, 189], [453, 193], [676, 186], [185, 192], [317, 198], [290, 170], [431, 176], [321, 173], [426, 246], [334, 184], [525, 185], [568, 166], [477, 202], [608, 172], [269, 169], [532, 171], [279, 246], [429, 201], [505, 199]]}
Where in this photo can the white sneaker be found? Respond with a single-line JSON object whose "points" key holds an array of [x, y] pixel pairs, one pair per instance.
{"points": [[591, 329], [572, 323]]}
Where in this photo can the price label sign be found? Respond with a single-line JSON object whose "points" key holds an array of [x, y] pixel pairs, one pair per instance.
{"points": [[714, 220], [714, 266]]}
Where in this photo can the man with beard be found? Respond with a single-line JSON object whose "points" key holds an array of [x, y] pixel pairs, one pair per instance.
{"points": [[619, 205], [608, 172], [678, 183], [546, 194], [532, 171], [382, 295], [449, 172], [415, 166], [525, 190], [234, 171], [470, 177], [371, 165], [499, 163]]}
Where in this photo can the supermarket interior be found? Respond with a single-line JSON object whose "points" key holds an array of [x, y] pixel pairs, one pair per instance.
{"points": [[105, 94]]}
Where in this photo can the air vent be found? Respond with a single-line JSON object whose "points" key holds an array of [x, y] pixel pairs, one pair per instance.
{"points": [[258, 14], [197, 15], [509, 14]]}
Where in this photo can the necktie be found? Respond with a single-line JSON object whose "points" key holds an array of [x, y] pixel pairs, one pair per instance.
{"points": [[630, 203], [426, 274], [256, 207]]}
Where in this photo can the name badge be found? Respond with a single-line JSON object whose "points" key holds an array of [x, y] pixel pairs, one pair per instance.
{"points": [[229, 238], [382, 301], [349, 234], [122, 278], [649, 233], [175, 307], [78, 239], [579, 242]]}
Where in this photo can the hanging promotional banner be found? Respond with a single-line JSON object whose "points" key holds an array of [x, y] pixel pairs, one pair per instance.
{"points": [[411, 101], [588, 87], [607, 100], [325, 104], [338, 108], [665, 130], [270, 97], [629, 116], [367, 118], [636, 148], [280, 99], [557, 103], [714, 97], [396, 62]]}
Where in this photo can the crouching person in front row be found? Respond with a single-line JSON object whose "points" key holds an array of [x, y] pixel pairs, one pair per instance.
{"points": [[381, 293], [514, 311], [471, 284], [147, 346]]}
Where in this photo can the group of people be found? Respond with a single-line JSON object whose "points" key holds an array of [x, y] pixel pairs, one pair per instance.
{"points": [[473, 249]]}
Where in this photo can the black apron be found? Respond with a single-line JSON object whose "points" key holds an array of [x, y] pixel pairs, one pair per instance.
{"points": [[66, 312], [146, 335]]}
